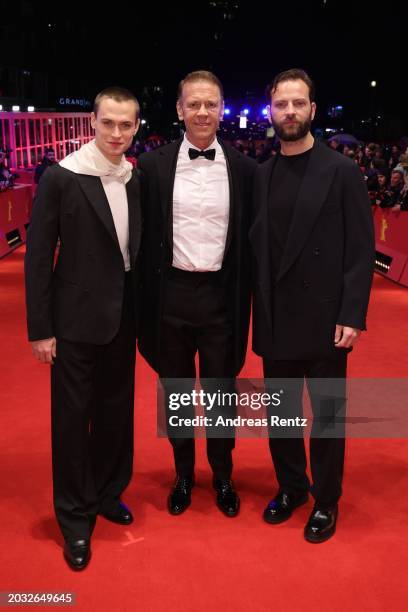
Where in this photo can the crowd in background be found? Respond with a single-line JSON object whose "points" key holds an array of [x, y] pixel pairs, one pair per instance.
{"points": [[385, 167]]}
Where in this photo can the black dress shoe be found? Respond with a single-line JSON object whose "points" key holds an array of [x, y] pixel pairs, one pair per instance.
{"points": [[227, 498], [77, 554], [121, 515], [280, 508], [180, 495], [321, 524]]}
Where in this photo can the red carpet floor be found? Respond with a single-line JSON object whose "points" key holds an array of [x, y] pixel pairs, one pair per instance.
{"points": [[202, 560]]}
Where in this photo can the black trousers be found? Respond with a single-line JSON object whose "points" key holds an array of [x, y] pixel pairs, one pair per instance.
{"points": [[328, 403], [195, 320], [92, 397]]}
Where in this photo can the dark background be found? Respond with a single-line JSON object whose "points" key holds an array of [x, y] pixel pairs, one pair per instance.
{"points": [[73, 49]]}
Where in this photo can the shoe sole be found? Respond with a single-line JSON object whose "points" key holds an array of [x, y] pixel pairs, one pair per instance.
{"points": [[283, 520]]}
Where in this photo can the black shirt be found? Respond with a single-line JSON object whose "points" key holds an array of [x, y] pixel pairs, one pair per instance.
{"points": [[285, 183]]}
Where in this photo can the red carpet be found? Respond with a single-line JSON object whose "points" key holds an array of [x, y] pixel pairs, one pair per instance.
{"points": [[201, 559]]}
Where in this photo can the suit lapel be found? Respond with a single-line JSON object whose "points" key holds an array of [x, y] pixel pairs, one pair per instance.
{"points": [[167, 164], [232, 161], [95, 194], [133, 198], [312, 194], [259, 234]]}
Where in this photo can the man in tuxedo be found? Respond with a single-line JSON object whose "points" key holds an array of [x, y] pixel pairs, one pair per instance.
{"points": [[313, 242], [196, 195], [81, 318]]}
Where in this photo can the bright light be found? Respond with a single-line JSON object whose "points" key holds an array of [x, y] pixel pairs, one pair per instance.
{"points": [[264, 112], [30, 109], [246, 111], [1, 107], [373, 83], [143, 122], [227, 111], [15, 109], [243, 122]]}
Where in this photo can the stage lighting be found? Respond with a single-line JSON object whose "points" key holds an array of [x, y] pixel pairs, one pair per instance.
{"points": [[15, 109], [227, 111]]}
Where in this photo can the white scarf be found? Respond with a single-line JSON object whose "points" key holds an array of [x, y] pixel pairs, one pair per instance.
{"points": [[91, 161]]}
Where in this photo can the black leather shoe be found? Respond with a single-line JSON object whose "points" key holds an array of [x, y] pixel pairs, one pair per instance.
{"points": [[180, 495], [227, 498], [321, 524], [77, 554], [121, 515], [280, 508]]}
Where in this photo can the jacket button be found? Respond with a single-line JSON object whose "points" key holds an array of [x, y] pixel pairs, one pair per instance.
{"points": [[316, 251], [161, 245], [306, 285], [158, 270]]}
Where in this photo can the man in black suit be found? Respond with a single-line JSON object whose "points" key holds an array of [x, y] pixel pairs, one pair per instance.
{"points": [[313, 241], [196, 195], [81, 318]]}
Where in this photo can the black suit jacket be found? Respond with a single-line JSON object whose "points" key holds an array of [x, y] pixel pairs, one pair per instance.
{"points": [[80, 299], [327, 266], [157, 171]]}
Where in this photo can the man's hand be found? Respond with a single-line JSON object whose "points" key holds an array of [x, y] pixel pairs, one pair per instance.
{"points": [[45, 350], [345, 336]]}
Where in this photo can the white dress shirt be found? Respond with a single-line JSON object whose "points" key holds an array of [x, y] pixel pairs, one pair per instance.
{"points": [[200, 210], [115, 191]]}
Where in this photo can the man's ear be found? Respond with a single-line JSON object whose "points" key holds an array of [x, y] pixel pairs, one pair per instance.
{"points": [[137, 126], [222, 109], [93, 120], [179, 109], [268, 113], [313, 105]]}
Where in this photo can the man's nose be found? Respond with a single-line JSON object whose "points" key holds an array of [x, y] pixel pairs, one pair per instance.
{"points": [[116, 132], [202, 110]]}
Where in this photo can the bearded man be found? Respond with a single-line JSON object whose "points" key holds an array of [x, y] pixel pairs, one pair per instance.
{"points": [[313, 241]]}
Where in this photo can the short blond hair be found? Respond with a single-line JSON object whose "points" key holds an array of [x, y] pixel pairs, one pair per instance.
{"points": [[119, 94], [200, 75]]}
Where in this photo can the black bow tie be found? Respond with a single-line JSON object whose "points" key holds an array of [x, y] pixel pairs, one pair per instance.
{"points": [[209, 154]]}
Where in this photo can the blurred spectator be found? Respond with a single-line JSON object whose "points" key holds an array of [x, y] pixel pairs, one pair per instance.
{"points": [[380, 191], [335, 145], [47, 161], [6, 177], [402, 165], [369, 152], [401, 202], [395, 155], [392, 196]]}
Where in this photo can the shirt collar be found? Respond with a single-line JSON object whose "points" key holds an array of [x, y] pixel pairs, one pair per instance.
{"points": [[186, 145]]}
